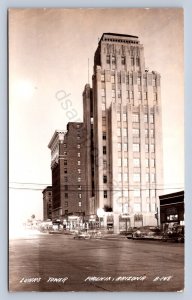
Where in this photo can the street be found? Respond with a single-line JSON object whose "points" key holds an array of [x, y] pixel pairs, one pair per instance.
{"points": [[45, 262]]}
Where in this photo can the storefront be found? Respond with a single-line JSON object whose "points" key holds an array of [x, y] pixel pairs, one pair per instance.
{"points": [[172, 209]]}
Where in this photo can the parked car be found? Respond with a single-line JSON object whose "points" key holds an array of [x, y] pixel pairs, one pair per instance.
{"points": [[174, 234], [82, 235]]}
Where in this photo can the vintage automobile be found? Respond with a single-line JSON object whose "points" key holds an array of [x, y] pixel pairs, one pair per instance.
{"points": [[82, 235], [174, 234]]}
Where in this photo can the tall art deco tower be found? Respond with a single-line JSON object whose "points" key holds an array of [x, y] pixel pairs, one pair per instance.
{"points": [[122, 114]]}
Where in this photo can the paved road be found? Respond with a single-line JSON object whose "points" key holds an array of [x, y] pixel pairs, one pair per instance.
{"points": [[60, 263]]}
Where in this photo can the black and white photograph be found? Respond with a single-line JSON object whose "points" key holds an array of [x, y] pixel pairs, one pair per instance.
{"points": [[96, 149]]}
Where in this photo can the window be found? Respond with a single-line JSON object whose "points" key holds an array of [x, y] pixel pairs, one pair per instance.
{"points": [[136, 162], [131, 95], [123, 60], [65, 162], [118, 79], [124, 117], [124, 131], [125, 162], [104, 150], [108, 59], [125, 193], [136, 148], [127, 94], [113, 60], [152, 163], [136, 177], [79, 179], [79, 187], [104, 179], [119, 177], [65, 178], [78, 154], [80, 204], [113, 93], [125, 177], [147, 193], [139, 95], [105, 164], [119, 117], [113, 79], [125, 147], [66, 212], [137, 193], [66, 195], [137, 207], [119, 93], [132, 61], [146, 132], [79, 195], [103, 92], [145, 95], [135, 118], [79, 171], [139, 80], [65, 145], [102, 77], [66, 203], [104, 135], [119, 162], [78, 146], [103, 106], [66, 187], [152, 177], [155, 96], [104, 121], [136, 132], [152, 133], [104, 194], [146, 162], [131, 79], [103, 100], [147, 177], [137, 61], [152, 148], [119, 146], [146, 148], [65, 153], [65, 170], [152, 119], [118, 131], [154, 82], [145, 118], [78, 125], [78, 162]]}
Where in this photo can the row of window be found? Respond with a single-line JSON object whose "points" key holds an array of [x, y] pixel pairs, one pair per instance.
{"points": [[136, 193], [78, 162], [136, 177], [135, 118], [129, 95], [129, 80], [136, 148], [112, 60], [78, 154], [79, 204], [135, 131], [136, 162]]}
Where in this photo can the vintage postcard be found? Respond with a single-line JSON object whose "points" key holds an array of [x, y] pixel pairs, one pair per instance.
{"points": [[96, 155]]}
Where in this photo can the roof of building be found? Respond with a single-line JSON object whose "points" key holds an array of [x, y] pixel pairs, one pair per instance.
{"points": [[172, 198], [119, 34]]}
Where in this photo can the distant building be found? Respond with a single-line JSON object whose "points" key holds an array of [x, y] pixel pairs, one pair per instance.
{"points": [[47, 203], [68, 158], [172, 208], [122, 114]]}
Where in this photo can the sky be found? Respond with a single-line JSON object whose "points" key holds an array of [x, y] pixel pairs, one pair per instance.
{"points": [[48, 53]]}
